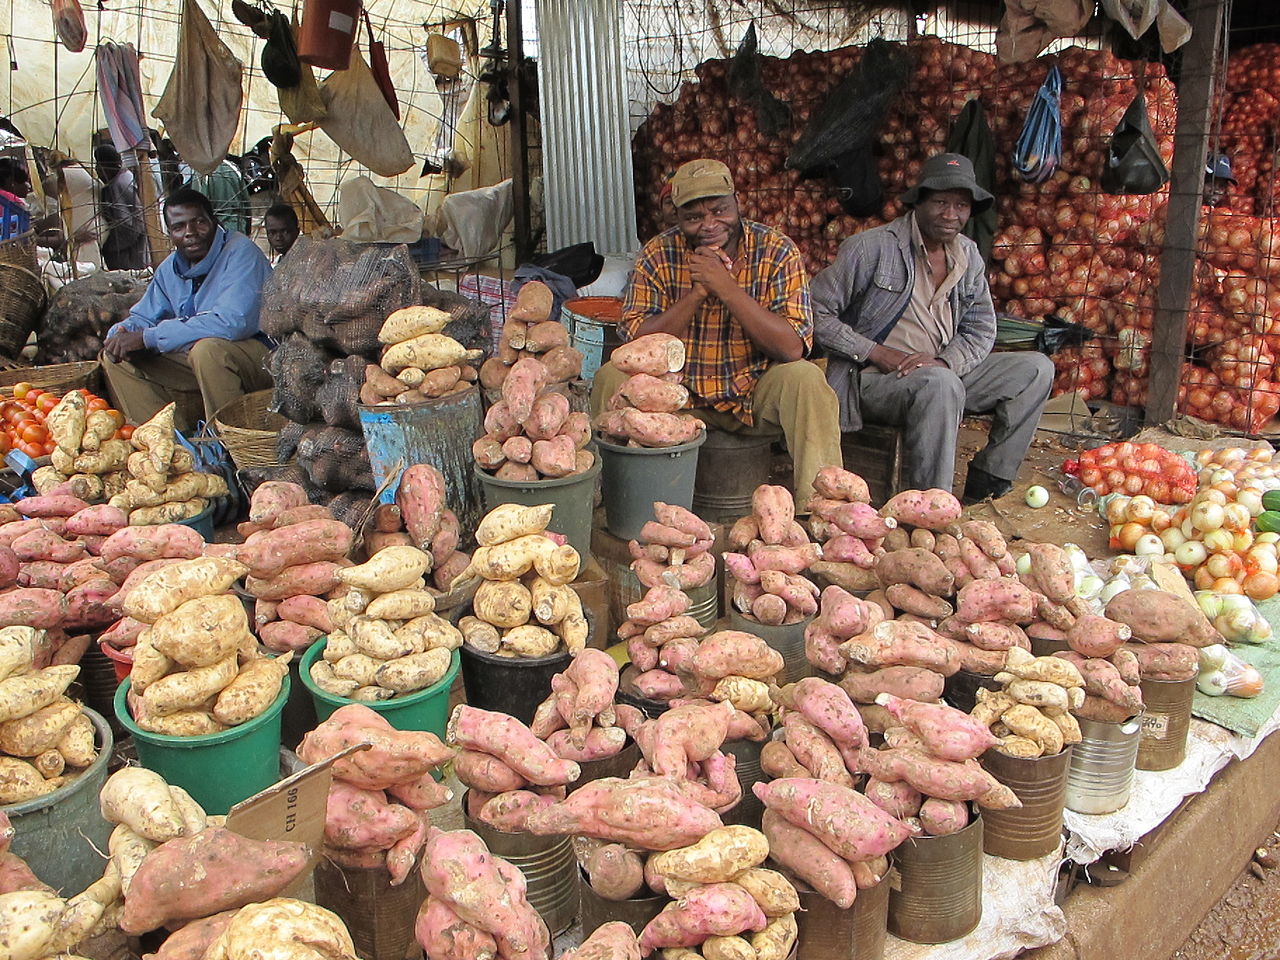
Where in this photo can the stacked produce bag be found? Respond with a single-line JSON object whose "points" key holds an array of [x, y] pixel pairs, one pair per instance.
{"points": [[646, 410], [377, 811], [524, 606], [81, 312]]}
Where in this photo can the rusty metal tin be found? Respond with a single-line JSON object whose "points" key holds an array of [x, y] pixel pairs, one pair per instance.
{"points": [[1034, 829], [936, 895], [829, 932], [379, 916]]}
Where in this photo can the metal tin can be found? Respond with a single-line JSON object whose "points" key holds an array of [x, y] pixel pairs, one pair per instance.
{"points": [[936, 896], [379, 916], [730, 467], [787, 639], [1101, 771], [634, 912], [1034, 829], [1165, 722], [828, 932], [749, 809]]}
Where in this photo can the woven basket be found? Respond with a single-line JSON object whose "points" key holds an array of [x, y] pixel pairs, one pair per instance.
{"points": [[22, 294], [249, 430], [57, 378]]}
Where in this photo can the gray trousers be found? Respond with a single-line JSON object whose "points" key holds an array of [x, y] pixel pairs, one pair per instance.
{"points": [[928, 404]]}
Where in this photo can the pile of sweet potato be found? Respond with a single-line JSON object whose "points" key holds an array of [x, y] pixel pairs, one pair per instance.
{"points": [[387, 639], [684, 743], [419, 362], [196, 665], [1166, 632], [823, 732], [614, 940], [529, 332], [294, 550], [737, 668], [377, 811], [727, 905], [579, 720], [927, 772], [646, 813], [531, 433], [673, 549], [509, 772], [46, 740], [420, 518], [524, 606], [1031, 715], [89, 462], [769, 585], [476, 904], [661, 638], [131, 553], [164, 487], [645, 411]]}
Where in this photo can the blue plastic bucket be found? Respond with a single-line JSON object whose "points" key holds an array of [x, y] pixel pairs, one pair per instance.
{"points": [[592, 323]]}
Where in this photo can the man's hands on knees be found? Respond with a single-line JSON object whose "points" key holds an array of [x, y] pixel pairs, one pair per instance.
{"points": [[122, 343], [916, 361], [889, 360]]}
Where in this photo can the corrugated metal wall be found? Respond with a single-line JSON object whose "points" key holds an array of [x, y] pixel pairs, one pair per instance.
{"points": [[586, 144]]}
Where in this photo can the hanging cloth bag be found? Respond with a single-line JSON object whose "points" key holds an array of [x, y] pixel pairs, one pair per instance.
{"points": [[200, 108], [360, 122], [380, 68], [1039, 149], [280, 63], [1134, 164], [301, 103], [971, 137]]}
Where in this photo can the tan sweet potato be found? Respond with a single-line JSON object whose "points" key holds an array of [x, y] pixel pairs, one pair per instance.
{"points": [[655, 354]]}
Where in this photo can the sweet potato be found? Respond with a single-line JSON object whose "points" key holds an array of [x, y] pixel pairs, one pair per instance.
{"points": [[394, 568], [508, 738], [733, 653], [555, 457], [840, 484], [50, 506], [215, 870], [88, 606], [714, 909], [846, 821], [656, 354], [166, 589], [1093, 636], [654, 813], [774, 510], [102, 520], [188, 689], [944, 779], [201, 631], [901, 643], [777, 761], [933, 509], [272, 498], [396, 757], [285, 635], [917, 567], [614, 872], [995, 600], [252, 690], [310, 612], [910, 599], [912, 683], [44, 544], [810, 859], [500, 423], [815, 751], [32, 607], [269, 553], [1158, 617], [717, 858], [947, 733], [446, 936], [941, 817]]}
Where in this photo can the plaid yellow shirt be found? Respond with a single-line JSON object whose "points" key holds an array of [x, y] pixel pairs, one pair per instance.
{"points": [[723, 363]]}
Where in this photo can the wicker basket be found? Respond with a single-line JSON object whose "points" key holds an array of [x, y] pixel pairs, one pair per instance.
{"points": [[249, 430], [57, 377], [22, 294]]}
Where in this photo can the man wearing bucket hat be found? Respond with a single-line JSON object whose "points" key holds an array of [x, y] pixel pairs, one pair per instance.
{"points": [[1218, 179], [737, 294], [905, 317]]}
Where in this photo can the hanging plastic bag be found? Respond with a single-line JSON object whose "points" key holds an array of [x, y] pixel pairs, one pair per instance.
{"points": [[200, 107], [380, 68], [1039, 148], [1133, 163], [361, 123], [280, 63], [68, 23]]}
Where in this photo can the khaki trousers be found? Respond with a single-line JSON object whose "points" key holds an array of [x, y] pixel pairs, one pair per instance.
{"points": [[200, 381], [791, 399]]}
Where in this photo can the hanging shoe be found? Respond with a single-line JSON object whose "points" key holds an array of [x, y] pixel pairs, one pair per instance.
{"points": [[980, 485]]}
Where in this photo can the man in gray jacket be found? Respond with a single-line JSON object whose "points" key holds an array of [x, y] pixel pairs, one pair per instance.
{"points": [[905, 317]]}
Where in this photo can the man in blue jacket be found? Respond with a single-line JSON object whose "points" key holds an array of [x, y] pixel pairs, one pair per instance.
{"points": [[905, 317], [193, 337]]}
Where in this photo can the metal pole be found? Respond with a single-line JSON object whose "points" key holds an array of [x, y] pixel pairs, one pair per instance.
{"points": [[519, 133]]}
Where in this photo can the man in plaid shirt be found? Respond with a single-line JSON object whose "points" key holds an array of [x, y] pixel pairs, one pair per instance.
{"points": [[736, 293]]}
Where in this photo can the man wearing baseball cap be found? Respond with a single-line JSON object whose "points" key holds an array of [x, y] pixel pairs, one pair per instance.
{"points": [[737, 294], [1218, 179], [905, 317]]}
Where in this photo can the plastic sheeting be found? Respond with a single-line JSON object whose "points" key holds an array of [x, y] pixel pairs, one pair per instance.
{"points": [[1156, 794]]}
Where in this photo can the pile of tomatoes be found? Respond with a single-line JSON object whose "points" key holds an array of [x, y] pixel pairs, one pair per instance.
{"points": [[22, 417]]}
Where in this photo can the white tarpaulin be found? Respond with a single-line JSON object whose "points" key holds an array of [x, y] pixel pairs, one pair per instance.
{"points": [[1156, 794]]}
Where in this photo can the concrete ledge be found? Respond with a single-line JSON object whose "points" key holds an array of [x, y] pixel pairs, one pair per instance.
{"points": [[1148, 916]]}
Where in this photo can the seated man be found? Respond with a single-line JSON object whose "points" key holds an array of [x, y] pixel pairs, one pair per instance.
{"points": [[736, 293], [904, 314], [1218, 180], [281, 225], [196, 327]]}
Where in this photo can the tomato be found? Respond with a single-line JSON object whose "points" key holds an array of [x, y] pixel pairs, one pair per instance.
{"points": [[126, 432], [49, 447], [30, 450], [97, 403], [23, 417], [5, 444], [34, 433], [47, 402], [20, 390], [35, 393]]}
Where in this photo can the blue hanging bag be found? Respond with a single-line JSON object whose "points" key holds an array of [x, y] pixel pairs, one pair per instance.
{"points": [[1039, 148]]}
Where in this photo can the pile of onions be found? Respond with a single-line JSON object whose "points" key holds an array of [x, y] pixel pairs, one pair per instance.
{"points": [[1138, 468]]}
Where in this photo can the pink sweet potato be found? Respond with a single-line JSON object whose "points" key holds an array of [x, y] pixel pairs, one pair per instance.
{"points": [[522, 385], [42, 574], [977, 660], [845, 820], [658, 685], [165, 541], [945, 779], [357, 819], [774, 509], [829, 708], [273, 498], [918, 567], [941, 817], [916, 602], [932, 509], [1102, 679], [8, 568], [124, 633], [267, 554], [839, 484], [913, 683], [653, 813], [707, 910], [615, 872], [506, 737], [652, 395], [213, 870], [192, 940], [50, 506], [777, 761], [396, 756], [1158, 617], [658, 604], [815, 751], [660, 429], [46, 545], [946, 732], [1093, 636], [518, 449], [555, 457], [443, 935], [32, 607], [482, 771], [87, 606], [734, 653], [421, 498], [102, 520], [499, 423], [996, 635], [549, 412], [996, 600], [896, 798], [656, 354], [312, 579], [285, 635], [810, 859], [306, 610], [899, 643]]}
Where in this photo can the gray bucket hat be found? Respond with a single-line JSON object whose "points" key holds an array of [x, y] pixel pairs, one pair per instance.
{"points": [[949, 171]]}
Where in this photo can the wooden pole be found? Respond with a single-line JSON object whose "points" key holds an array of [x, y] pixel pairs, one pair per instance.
{"points": [[1201, 63], [522, 228], [157, 242]]}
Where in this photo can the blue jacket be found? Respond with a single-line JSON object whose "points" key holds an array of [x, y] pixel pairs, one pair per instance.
{"points": [[861, 296], [218, 297]]}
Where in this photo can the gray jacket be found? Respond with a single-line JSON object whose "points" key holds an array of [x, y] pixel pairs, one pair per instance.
{"points": [[859, 299]]}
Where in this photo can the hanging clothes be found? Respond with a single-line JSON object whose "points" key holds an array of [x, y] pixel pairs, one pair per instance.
{"points": [[291, 182], [201, 104], [120, 86]]}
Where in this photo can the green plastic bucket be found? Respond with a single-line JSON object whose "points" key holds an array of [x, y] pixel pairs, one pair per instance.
{"points": [[573, 498], [635, 477], [60, 834], [217, 769], [202, 523], [425, 710]]}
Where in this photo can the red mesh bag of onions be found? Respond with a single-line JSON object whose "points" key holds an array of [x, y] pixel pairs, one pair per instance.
{"points": [[1139, 468]]}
